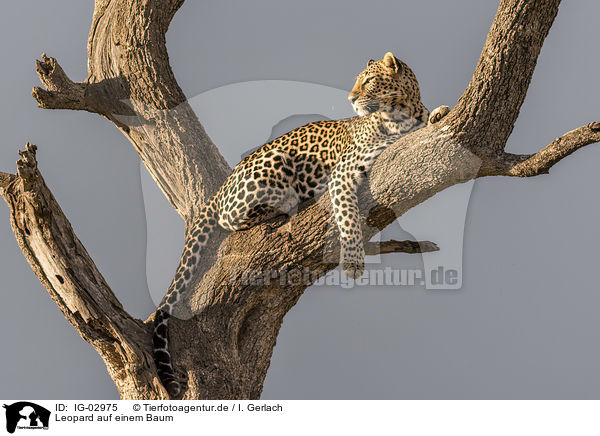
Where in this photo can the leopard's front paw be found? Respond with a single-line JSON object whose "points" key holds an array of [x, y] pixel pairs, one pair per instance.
{"points": [[438, 114], [353, 261]]}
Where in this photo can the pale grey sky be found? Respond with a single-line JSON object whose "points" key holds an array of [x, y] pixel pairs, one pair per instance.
{"points": [[524, 324]]}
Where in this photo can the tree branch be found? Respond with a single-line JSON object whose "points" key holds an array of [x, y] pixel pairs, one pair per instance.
{"points": [[517, 165], [386, 247], [131, 83], [499, 85], [62, 93], [66, 270]]}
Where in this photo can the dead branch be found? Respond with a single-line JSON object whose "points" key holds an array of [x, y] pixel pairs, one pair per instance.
{"points": [[66, 270]]}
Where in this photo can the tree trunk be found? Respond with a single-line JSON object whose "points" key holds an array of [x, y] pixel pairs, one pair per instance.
{"points": [[227, 327]]}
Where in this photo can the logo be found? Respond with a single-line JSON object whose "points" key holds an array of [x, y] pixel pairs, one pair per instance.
{"points": [[26, 415]]}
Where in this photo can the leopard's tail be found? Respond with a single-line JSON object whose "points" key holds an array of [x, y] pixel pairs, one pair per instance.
{"points": [[196, 240]]}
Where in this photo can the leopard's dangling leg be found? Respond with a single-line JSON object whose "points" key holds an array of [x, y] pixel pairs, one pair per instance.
{"points": [[343, 185]]}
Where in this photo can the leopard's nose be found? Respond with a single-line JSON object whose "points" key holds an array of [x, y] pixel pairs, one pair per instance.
{"points": [[352, 98]]}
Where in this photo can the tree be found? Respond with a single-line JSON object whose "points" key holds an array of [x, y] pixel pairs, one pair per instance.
{"points": [[226, 348]]}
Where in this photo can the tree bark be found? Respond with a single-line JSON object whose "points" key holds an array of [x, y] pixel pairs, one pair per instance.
{"points": [[227, 327]]}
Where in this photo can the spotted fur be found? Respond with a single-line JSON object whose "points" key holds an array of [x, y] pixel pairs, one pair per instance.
{"points": [[300, 165]]}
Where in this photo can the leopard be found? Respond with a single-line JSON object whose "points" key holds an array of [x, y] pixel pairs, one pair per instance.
{"points": [[326, 155]]}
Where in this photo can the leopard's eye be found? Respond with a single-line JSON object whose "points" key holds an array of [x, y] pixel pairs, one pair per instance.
{"points": [[368, 79]]}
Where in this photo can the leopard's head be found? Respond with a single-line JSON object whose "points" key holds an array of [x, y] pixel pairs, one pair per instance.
{"points": [[387, 85]]}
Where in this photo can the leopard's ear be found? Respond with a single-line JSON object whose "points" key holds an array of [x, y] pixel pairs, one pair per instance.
{"points": [[390, 61], [371, 62]]}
